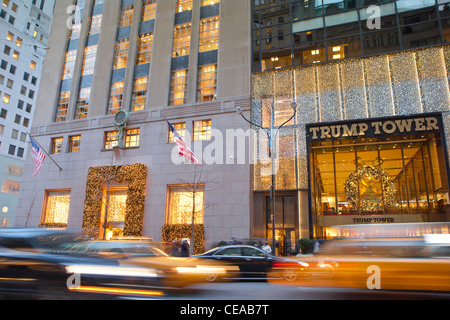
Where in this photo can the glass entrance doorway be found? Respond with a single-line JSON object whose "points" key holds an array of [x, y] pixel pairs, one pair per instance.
{"points": [[286, 224]]}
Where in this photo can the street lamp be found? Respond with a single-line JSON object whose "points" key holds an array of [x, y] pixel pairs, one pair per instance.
{"points": [[271, 134]]}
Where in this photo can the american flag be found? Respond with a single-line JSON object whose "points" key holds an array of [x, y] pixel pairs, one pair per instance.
{"points": [[38, 156], [183, 148]]}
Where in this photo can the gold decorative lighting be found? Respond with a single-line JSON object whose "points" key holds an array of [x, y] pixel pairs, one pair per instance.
{"points": [[135, 176]]}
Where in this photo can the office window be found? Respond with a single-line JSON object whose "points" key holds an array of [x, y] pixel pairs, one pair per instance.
{"points": [[96, 23], [202, 130], [121, 54], [209, 2], [181, 40], [26, 122], [56, 145], [75, 31], [69, 64], [144, 49], [126, 16], [83, 103], [132, 138], [180, 206], [12, 149], [181, 129], [178, 87], [74, 144], [14, 134], [148, 10], [111, 139], [209, 34], [90, 54], [6, 98], [63, 106], [57, 205], [207, 83], [16, 55], [116, 97], [184, 5], [10, 186], [10, 36], [139, 95], [20, 152], [33, 65], [19, 42]]}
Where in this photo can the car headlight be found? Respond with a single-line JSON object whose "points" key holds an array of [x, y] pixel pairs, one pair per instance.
{"points": [[303, 264], [111, 271]]}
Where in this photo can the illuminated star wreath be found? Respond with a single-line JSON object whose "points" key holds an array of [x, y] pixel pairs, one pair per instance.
{"points": [[365, 172]]}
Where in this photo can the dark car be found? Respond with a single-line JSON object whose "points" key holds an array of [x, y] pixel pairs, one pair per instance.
{"points": [[252, 262], [34, 265]]}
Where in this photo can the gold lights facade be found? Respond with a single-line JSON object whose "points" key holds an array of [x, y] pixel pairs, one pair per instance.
{"points": [[388, 86]]}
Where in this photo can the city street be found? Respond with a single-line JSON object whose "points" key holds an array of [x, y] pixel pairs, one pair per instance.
{"points": [[263, 291]]}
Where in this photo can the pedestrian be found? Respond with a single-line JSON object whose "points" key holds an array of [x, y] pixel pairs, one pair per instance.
{"points": [[185, 249], [267, 248]]}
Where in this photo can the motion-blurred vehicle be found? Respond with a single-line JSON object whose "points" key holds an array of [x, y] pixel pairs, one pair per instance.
{"points": [[386, 263], [175, 272], [252, 262], [54, 264]]}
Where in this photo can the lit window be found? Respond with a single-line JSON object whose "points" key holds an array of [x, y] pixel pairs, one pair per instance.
{"points": [[56, 146], [6, 98], [202, 130], [16, 55], [83, 103], [111, 139], [10, 186], [121, 55], [144, 49], [181, 40], [132, 138], [96, 23], [74, 143], [126, 16], [181, 204], [184, 5], [57, 207], [90, 54], [207, 83], [209, 34], [10, 36], [178, 87], [116, 97], [209, 2], [139, 95], [114, 205], [18, 42], [69, 64], [148, 10], [33, 65], [181, 129], [63, 106]]}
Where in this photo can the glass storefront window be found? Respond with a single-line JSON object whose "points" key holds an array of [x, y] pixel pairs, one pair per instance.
{"points": [[395, 177]]}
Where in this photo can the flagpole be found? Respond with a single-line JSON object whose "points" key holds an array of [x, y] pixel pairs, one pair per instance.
{"points": [[60, 169]]}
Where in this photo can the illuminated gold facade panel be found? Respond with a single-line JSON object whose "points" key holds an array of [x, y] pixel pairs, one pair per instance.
{"points": [[410, 82]]}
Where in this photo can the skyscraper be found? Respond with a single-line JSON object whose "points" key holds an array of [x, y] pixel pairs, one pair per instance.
{"points": [[116, 72], [369, 142], [24, 32]]}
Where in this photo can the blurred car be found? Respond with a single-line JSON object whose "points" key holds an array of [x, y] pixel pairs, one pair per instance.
{"points": [[119, 249], [390, 263], [252, 262], [55, 264]]}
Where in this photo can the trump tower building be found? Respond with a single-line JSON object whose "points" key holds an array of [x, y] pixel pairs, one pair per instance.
{"points": [[368, 143]]}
